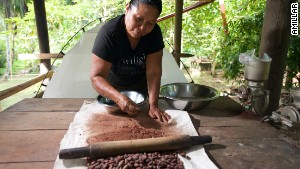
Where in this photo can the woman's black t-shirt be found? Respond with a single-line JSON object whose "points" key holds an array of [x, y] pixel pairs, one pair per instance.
{"points": [[128, 65]]}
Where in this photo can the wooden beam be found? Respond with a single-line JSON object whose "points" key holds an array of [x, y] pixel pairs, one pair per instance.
{"points": [[13, 90], [178, 29], [42, 32], [39, 56], [196, 5]]}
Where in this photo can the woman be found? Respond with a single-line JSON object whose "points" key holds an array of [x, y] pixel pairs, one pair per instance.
{"points": [[127, 55]]}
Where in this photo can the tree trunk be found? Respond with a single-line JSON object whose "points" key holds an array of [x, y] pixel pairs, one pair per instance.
{"points": [[7, 14], [288, 78], [225, 29], [8, 62], [223, 14], [274, 42], [23, 8]]}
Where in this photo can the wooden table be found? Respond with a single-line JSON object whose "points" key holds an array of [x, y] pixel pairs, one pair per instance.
{"points": [[31, 131]]}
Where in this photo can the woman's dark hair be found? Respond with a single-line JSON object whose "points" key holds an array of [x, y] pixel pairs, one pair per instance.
{"points": [[156, 3]]}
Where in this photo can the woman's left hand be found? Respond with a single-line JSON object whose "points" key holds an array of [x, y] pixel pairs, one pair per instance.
{"points": [[156, 113]]}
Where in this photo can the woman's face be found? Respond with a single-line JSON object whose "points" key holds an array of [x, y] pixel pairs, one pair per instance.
{"points": [[140, 20]]}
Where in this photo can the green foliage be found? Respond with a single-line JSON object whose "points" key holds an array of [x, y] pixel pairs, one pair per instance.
{"points": [[203, 33], [293, 59], [64, 19], [2, 61], [244, 34], [2, 58]]}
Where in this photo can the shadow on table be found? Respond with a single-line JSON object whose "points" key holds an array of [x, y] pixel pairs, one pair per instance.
{"points": [[210, 147], [221, 107]]}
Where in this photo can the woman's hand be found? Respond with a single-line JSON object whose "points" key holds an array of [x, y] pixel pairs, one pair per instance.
{"points": [[156, 113], [128, 106]]}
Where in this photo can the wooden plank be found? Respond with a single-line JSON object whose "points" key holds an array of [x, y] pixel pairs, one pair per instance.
{"points": [[216, 118], [13, 90], [235, 127], [39, 56], [30, 146], [239, 132], [35, 120], [28, 165], [239, 139], [253, 153], [196, 5], [48, 105]]}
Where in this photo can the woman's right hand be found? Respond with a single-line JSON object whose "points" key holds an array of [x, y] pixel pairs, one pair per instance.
{"points": [[128, 106]]}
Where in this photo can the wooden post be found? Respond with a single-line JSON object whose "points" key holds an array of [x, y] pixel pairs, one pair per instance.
{"points": [[42, 31], [178, 30], [274, 42]]}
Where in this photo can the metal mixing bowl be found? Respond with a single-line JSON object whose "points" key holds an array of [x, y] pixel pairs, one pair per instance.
{"points": [[188, 96], [136, 97]]}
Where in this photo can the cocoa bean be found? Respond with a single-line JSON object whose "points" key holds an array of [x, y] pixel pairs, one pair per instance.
{"points": [[125, 167], [153, 160], [120, 164], [105, 166], [97, 167], [129, 158], [136, 165]]}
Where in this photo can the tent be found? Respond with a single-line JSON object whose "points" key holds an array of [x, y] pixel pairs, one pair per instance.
{"points": [[71, 78]]}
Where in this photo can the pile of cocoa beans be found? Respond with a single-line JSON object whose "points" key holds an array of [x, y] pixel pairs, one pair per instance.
{"points": [[154, 160]]}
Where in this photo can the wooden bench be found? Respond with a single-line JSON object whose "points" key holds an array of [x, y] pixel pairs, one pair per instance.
{"points": [[200, 65]]}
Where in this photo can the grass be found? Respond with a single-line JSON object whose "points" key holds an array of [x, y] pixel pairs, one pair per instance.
{"points": [[2, 70], [26, 93], [217, 82]]}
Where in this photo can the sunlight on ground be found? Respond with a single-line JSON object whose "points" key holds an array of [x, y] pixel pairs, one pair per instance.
{"points": [[205, 78], [29, 92]]}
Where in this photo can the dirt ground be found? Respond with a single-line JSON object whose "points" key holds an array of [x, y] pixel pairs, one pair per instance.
{"points": [[205, 78]]}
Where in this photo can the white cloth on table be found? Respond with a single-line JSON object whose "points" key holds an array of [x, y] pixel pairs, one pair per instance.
{"points": [[77, 134]]}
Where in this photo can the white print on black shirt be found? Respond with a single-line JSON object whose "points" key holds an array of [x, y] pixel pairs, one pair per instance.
{"points": [[133, 66]]}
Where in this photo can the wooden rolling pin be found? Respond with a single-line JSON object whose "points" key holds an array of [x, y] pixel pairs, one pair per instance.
{"points": [[113, 148]]}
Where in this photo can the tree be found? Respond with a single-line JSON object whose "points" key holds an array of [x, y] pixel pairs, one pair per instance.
{"points": [[9, 10], [7, 14], [275, 42]]}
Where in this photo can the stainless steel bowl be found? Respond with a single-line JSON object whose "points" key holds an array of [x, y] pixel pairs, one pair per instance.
{"points": [[188, 96], [257, 71], [136, 97]]}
